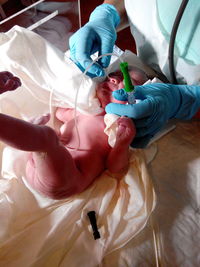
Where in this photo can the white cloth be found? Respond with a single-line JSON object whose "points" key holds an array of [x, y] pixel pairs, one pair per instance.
{"points": [[37, 231], [152, 44], [175, 172], [44, 69]]}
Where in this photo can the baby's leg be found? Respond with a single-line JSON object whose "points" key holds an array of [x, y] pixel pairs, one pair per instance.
{"points": [[23, 135], [51, 169], [119, 155], [54, 173]]}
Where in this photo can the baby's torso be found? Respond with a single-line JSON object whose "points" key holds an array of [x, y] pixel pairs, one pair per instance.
{"points": [[83, 135]]}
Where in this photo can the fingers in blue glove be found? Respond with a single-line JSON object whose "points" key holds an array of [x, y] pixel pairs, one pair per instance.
{"points": [[80, 53], [107, 48], [94, 71], [145, 134], [139, 142], [150, 129], [120, 95], [135, 111], [139, 93]]}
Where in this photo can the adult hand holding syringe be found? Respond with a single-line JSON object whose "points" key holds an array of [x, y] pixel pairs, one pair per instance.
{"points": [[158, 102]]}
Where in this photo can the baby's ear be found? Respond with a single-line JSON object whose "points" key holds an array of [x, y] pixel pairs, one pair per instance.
{"points": [[114, 80]]}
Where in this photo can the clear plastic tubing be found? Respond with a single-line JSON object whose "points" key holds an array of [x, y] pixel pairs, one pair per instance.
{"points": [[131, 98], [76, 96], [77, 92]]}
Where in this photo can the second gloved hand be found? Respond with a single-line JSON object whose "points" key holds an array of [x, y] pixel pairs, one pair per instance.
{"points": [[159, 103], [99, 34]]}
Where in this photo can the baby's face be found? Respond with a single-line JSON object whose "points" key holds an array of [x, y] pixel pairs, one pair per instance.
{"points": [[114, 81]]}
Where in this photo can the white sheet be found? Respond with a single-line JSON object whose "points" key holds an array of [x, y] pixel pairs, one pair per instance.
{"points": [[176, 176], [37, 231]]}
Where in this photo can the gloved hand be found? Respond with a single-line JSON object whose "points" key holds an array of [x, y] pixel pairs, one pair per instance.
{"points": [[8, 82], [99, 34], [159, 103]]}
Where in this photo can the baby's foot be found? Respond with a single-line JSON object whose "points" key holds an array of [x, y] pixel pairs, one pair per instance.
{"points": [[40, 120], [126, 131], [8, 82]]}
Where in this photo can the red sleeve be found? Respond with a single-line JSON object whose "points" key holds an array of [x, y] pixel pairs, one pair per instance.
{"points": [[197, 115]]}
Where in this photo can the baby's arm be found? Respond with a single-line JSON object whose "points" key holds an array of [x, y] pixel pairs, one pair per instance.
{"points": [[118, 157], [15, 132]]}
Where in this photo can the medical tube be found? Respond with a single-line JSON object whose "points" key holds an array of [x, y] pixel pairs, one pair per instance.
{"points": [[77, 92], [156, 241]]}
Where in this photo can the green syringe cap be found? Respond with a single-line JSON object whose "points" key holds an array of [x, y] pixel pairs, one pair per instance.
{"points": [[128, 86]]}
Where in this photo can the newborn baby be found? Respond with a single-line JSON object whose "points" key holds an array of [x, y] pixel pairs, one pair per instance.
{"points": [[55, 168]]}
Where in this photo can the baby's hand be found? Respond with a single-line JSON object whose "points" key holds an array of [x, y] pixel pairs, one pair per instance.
{"points": [[126, 131], [8, 82], [41, 120]]}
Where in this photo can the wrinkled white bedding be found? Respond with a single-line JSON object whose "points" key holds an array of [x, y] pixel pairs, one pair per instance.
{"points": [[176, 177], [37, 231]]}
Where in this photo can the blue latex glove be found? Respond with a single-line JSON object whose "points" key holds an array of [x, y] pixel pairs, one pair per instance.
{"points": [[160, 102], [99, 34]]}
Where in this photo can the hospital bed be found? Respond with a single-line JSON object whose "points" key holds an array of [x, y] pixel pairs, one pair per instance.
{"points": [[54, 20], [137, 228]]}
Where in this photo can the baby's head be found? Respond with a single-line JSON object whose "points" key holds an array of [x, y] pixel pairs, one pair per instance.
{"points": [[114, 81]]}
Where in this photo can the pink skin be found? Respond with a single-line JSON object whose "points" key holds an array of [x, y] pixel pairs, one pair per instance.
{"points": [[115, 82], [54, 167]]}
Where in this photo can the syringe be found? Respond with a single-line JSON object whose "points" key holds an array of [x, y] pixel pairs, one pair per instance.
{"points": [[128, 86]]}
